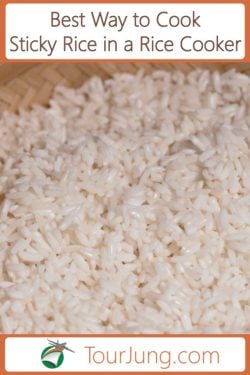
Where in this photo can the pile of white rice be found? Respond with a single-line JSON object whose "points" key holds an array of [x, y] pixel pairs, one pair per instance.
{"points": [[125, 207]]}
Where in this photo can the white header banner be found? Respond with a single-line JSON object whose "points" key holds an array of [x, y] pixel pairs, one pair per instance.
{"points": [[127, 354], [124, 31]]}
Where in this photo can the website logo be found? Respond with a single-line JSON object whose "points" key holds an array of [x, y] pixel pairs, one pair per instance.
{"points": [[52, 356]]}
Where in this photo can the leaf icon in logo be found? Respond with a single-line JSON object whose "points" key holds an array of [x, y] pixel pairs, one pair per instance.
{"points": [[51, 357]]}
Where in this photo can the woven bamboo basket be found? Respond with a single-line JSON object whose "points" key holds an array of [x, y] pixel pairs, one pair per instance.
{"points": [[23, 84]]}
